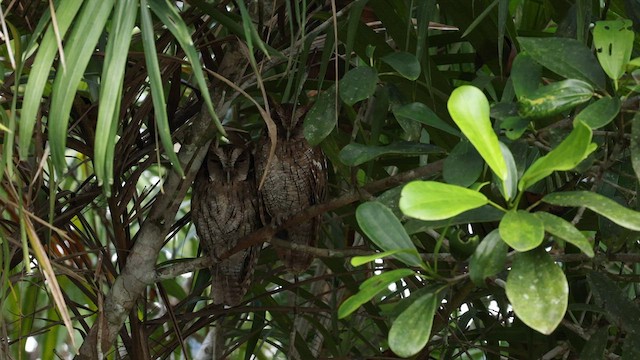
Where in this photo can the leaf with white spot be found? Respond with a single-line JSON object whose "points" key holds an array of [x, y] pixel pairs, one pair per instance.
{"points": [[538, 290]]}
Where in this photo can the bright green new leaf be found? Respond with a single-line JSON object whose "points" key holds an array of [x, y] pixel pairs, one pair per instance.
{"points": [[537, 290], [554, 98], [521, 230], [566, 57], [322, 118], [600, 113], [404, 63], [370, 288], [563, 229], [361, 260], [411, 330], [431, 200], [509, 186], [489, 258], [566, 156], [469, 108], [385, 230], [597, 203], [613, 41], [358, 84]]}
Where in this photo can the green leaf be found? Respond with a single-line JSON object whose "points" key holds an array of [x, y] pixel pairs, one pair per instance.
{"points": [[594, 348], [358, 84], [170, 17], [370, 288], [566, 57], [421, 113], [385, 230], [411, 330], [322, 118], [111, 90], [563, 229], [635, 144], [361, 260], [40, 71], [155, 83], [598, 203], [86, 31], [600, 113], [356, 154], [521, 230], [431, 200], [613, 41], [537, 290], [482, 214], [525, 75], [566, 156], [619, 309], [469, 108], [489, 258], [554, 98], [509, 186], [514, 127], [463, 166], [404, 63]]}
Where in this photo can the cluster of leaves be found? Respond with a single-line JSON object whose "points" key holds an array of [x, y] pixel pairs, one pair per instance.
{"points": [[522, 117]]}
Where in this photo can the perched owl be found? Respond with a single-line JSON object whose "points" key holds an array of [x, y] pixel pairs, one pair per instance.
{"points": [[225, 209], [295, 180]]}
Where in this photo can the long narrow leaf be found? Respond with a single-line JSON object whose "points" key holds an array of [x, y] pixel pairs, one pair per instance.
{"points": [[39, 74], [172, 20], [111, 89], [155, 82], [79, 49]]}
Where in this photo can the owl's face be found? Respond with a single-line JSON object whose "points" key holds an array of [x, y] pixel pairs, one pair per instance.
{"points": [[228, 164], [289, 121]]}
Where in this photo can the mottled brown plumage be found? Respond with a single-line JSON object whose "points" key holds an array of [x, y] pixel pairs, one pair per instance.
{"points": [[296, 179], [225, 209]]}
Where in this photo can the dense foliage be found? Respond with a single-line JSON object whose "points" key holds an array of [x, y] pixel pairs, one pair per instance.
{"points": [[484, 166]]}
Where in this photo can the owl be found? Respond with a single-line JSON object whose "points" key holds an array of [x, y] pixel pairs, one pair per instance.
{"points": [[295, 180], [225, 209]]}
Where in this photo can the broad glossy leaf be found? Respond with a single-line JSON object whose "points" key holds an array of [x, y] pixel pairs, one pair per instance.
{"points": [[385, 230], [469, 108], [538, 290], [404, 63], [356, 154], [463, 166], [521, 230], [600, 113], [322, 118], [566, 57], [598, 203], [514, 127], [489, 258], [613, 41], [482, 214], [370, 288], [431, 200], [358, 84], [411, 330], [563, 229], [554, 98], [566, 156], [525, 75], [421, 113], [509, 186]]}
